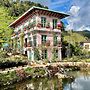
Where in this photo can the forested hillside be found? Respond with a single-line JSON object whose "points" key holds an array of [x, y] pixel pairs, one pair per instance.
{"points": [[85, 33], [9, 11]]}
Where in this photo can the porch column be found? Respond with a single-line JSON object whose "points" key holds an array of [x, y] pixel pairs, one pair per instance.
{"points": [[59, 54], [49, 54], [32, 55]]}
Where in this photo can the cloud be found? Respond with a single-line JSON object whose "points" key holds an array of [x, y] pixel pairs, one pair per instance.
{"points": [[80, 15], [73, 18], [74, 10], [79, 11]]}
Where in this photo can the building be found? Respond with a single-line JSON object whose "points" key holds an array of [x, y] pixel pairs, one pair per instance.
{"points": [[37, 33], [86, 45]]}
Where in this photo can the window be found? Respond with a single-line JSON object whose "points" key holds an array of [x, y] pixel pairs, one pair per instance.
{"points": [[34, 40], [44, 38], [86, 46], [44, 54], [54, 23], [25, 42], [43, 21], [34, 20], [55, 41]]}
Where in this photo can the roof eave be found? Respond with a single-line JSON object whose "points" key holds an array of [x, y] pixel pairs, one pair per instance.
{"points": [[13, 23]]}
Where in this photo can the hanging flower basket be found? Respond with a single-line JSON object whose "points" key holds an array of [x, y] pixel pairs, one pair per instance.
{"points": [[59, 25]]}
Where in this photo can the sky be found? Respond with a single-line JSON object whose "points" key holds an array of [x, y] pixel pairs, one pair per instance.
{"points": [[79, 11]]}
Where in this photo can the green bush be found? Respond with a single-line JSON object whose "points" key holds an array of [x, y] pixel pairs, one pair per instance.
{"points": [[3, 54], [29, 71], [7, 78]]}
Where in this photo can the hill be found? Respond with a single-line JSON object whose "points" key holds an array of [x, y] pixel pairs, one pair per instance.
{"points": [[85, 33]]}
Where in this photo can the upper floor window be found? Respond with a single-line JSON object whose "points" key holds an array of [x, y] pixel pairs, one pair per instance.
{"points": [[43, 21], [54, 23], [44, 37], [34, 40]]}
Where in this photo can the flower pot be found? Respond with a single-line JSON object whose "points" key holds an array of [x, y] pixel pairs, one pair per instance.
{"points": [[39, 25]]}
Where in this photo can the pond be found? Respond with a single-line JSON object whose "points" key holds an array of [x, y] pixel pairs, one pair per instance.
{"points": [[80, 82]]}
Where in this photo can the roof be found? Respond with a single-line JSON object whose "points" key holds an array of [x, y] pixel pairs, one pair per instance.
{"points": [[37, 8], [87, 41]]}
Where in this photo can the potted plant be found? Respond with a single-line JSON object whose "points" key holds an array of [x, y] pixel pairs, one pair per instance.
{"points": [[48, 43], [24, 28], [59, 25], [28, 44], [38, 24], [48, 25]]}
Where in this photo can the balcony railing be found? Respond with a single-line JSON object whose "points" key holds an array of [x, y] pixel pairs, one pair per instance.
{"points": [[58, 44], [46, 43], [30, 44]]}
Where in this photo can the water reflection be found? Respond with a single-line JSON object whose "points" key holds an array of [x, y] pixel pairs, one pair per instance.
{"points": [[80, 82]]}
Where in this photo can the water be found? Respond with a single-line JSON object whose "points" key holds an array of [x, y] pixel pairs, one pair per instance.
{"points": [[80, 82]]}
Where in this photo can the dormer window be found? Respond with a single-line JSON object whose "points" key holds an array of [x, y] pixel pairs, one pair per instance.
{"points": [[43, 22], [54, 23]]}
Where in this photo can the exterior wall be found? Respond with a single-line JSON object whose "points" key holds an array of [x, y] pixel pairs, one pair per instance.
{"points": [[86, 46], [48, 19], [49, 37], [24, 23]]}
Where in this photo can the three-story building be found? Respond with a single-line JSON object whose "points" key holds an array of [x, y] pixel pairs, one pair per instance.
{"points": [[37, 33]]}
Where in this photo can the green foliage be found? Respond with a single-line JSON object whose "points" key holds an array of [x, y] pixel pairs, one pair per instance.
{"points": [[29, 70], [5, 19], [9, 11], [3, 54], [74, 38], [6, 78], [85, 33], [17, 7], [71, 42], [37, 54], [35, 71], [4, 57]]}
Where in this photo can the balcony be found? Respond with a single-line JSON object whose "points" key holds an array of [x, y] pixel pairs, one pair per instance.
{"points": [[33, 26], [46, 43], [57, 44]]}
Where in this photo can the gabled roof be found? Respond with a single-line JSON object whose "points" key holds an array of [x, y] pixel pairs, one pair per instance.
{"points": [[37, 8]]}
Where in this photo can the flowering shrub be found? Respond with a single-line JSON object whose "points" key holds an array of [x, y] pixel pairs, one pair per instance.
{"points": [[20, 73]]}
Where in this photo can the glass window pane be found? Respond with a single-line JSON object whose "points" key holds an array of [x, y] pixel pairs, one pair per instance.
{"points": [[54, 23]]}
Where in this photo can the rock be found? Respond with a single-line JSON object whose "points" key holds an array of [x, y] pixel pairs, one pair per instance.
{"points": [[59, 75]]}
